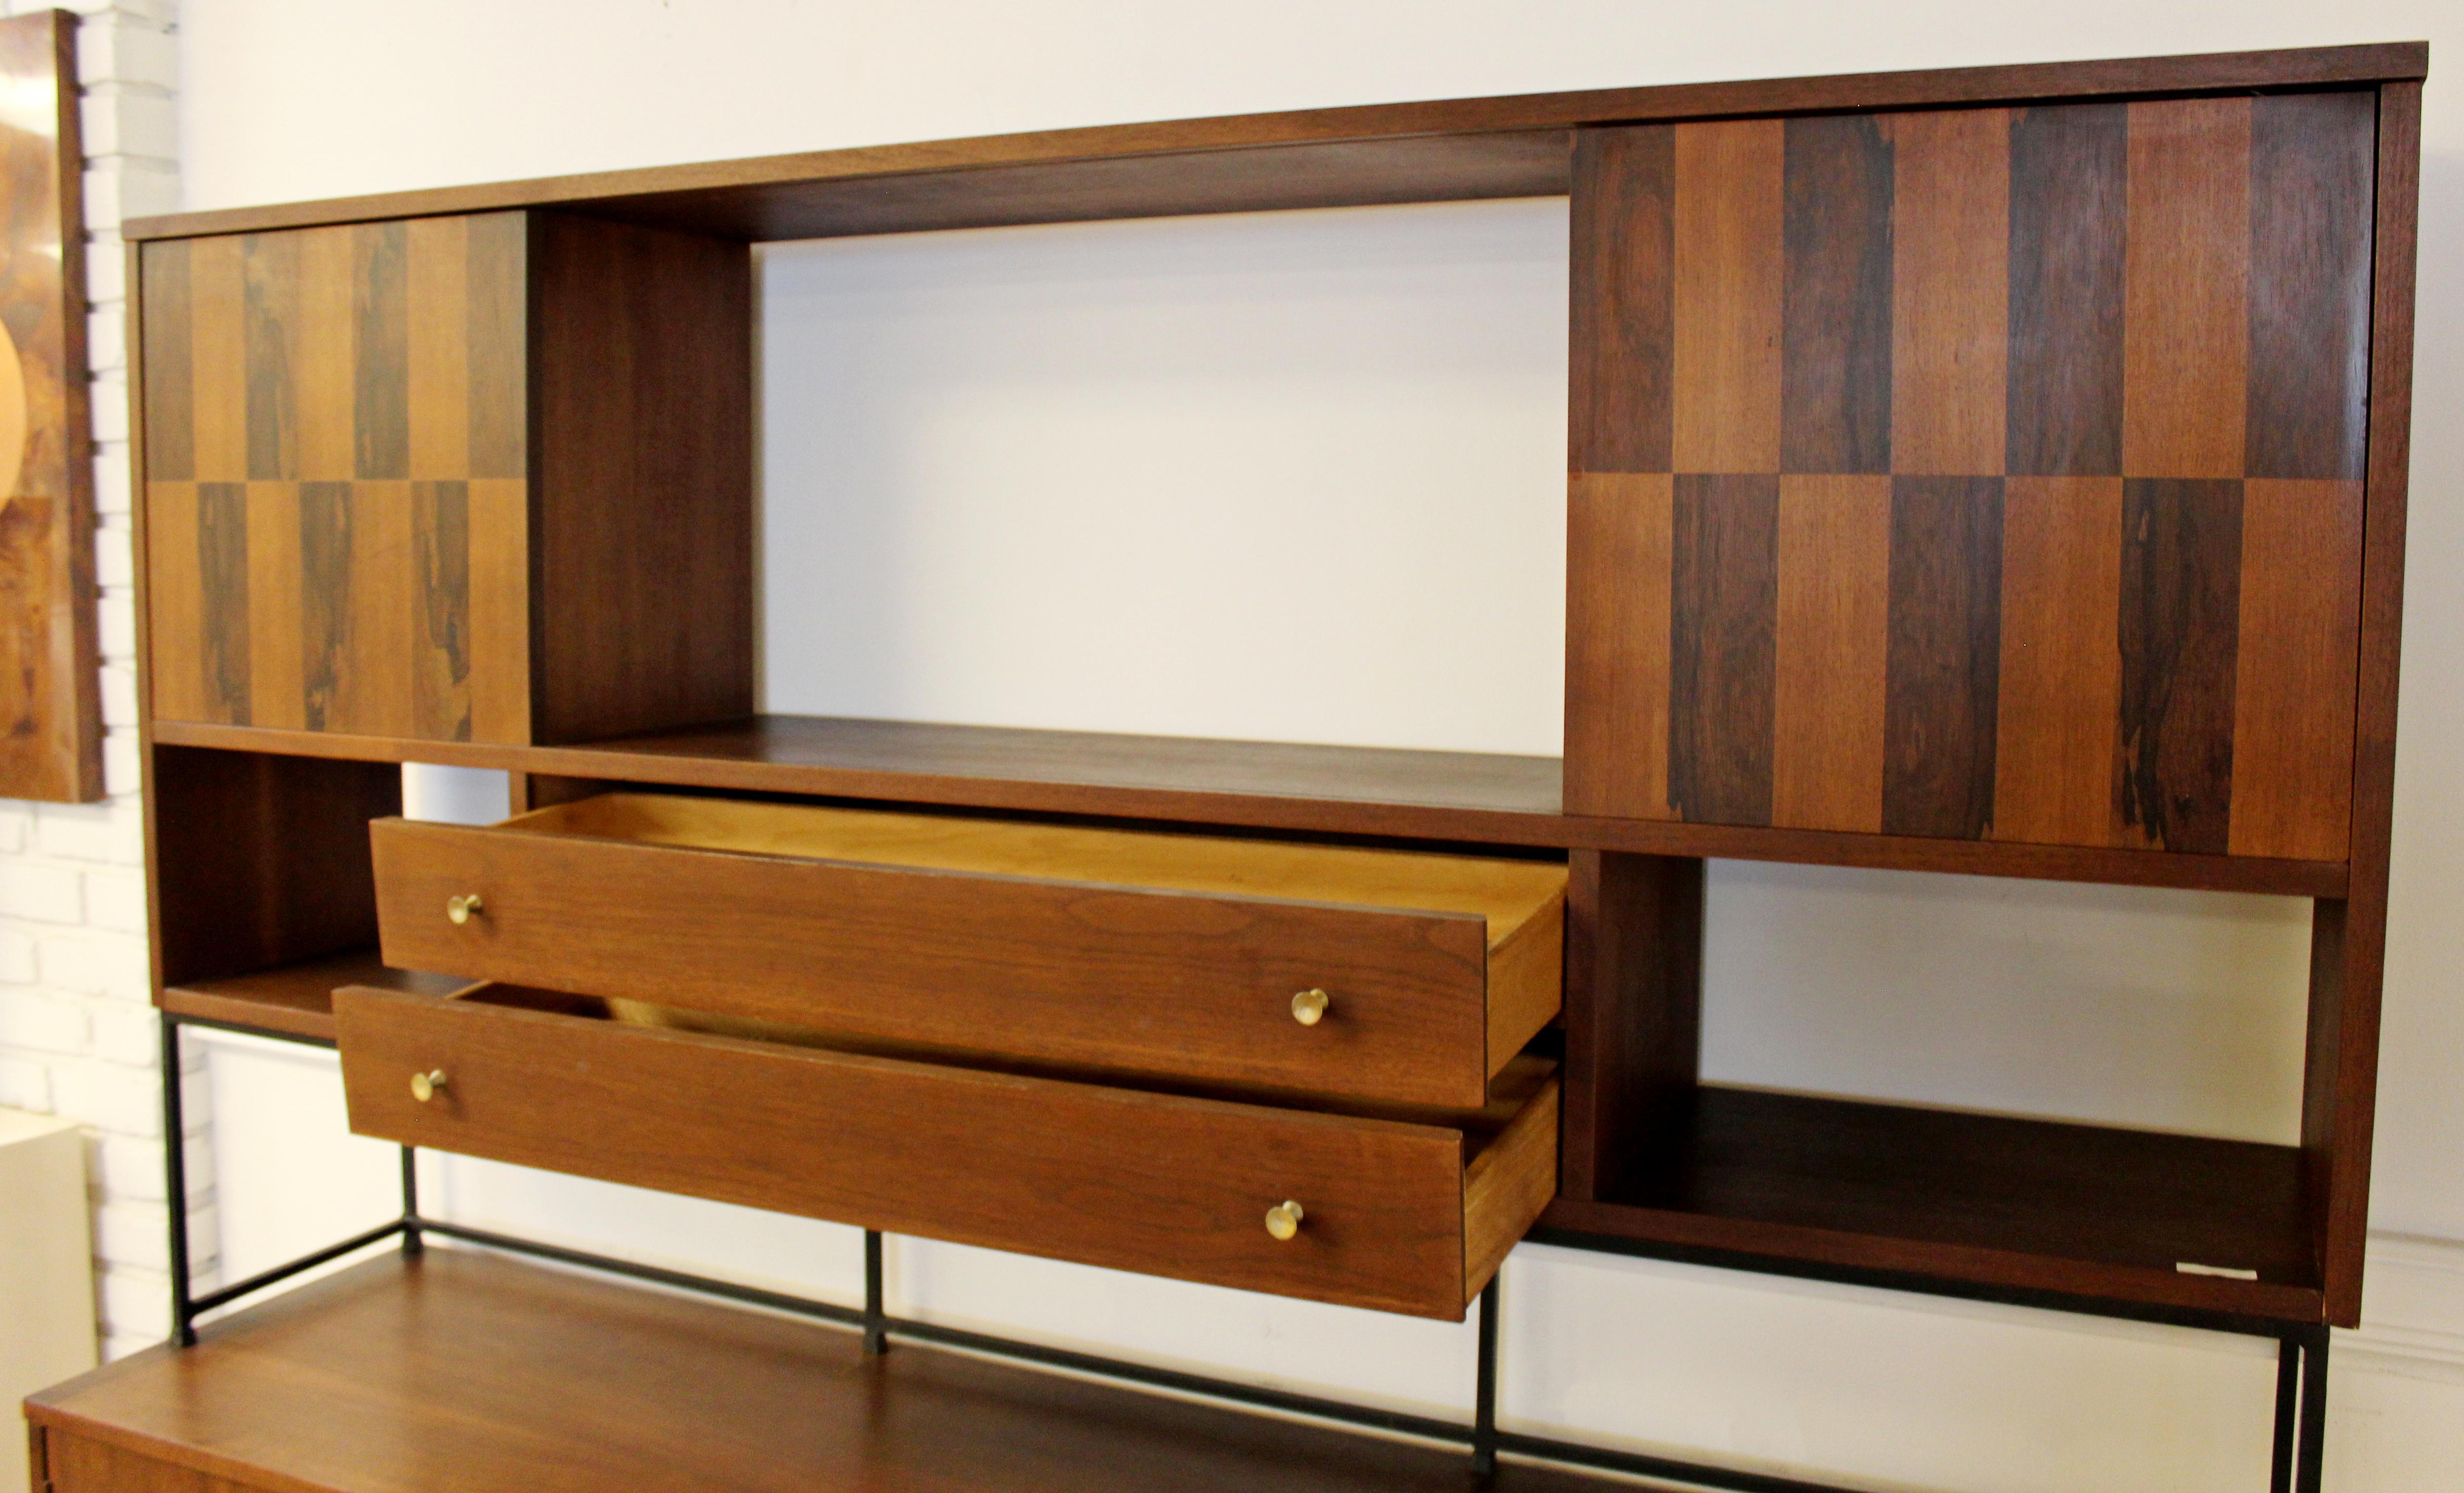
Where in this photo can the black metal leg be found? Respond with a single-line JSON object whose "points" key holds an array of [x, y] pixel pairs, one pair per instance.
{"points": [[2288, 1407], [1484, 1398], [175, 1184], [2310, 1466], [876, 1328], [411, 1242]]}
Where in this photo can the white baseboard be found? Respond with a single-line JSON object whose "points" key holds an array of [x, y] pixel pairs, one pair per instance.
{"points": [[2412, 1310]]}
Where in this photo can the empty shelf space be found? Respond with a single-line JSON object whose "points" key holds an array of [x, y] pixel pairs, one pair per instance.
{"points": [[297, 999], [2030, 1204]]}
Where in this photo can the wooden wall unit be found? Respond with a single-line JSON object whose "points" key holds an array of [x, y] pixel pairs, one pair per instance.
{"points": [[1998, 471]]}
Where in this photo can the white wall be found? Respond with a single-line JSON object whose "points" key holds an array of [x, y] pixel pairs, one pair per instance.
{"points": [[1061, 476], [77, 1036]]}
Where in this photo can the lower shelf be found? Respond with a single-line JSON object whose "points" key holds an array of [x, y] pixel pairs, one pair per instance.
{"points": [[298, 998], [2027, 1204], [470, 1372]]}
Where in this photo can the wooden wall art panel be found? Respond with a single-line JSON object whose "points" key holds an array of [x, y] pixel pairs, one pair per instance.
{"points": [[2004, 466], [51, 725], [336, 479]]}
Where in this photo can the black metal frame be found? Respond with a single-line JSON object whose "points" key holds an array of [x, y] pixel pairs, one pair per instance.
{"points": [[2297, 1465]]}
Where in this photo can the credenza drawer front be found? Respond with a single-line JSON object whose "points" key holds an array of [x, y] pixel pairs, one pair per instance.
{"points": [[1392, 1004], [1158, 1183]]}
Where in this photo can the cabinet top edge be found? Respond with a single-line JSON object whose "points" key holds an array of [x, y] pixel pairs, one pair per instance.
{"points": [[1433, 150]]}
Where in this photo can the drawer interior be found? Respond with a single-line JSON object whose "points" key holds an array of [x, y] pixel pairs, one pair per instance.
{"points": [[1509, 1092], [1516, 897]]}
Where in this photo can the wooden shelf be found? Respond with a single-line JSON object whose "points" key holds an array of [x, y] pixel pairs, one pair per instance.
{"points": [[1465, 797], [468, 1371], [1457, 149], [2028, 1204], [297, 999]]}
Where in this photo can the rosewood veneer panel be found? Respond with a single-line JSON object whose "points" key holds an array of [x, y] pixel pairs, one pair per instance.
{"points": [[2065, 339]]}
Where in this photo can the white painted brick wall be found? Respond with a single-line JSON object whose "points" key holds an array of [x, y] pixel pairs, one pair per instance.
{"points": [[77, 1035]]}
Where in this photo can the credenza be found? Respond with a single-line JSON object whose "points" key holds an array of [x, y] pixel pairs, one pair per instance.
{"points": [[1997, 471]]}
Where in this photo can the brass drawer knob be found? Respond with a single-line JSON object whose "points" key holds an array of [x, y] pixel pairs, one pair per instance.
{"points": [[424, 1085], [1283, 1220], [1308, 1007], [461, 910]]}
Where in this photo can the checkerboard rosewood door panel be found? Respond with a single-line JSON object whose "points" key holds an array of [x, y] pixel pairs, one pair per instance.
{"points": [[1986, 473], [336, 479]]}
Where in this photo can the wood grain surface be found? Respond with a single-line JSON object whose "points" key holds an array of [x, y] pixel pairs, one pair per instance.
{"points": [[2069, 218], [1731, 261], [1939, 706], [1623, 267], [1723, 596], [49, 702], [1634, 1013], [1832, 647], [668, 1394], [2185, 323], [1125, 1178], [2060, 688], [1950, 291], [1836, 296], [1136, 953], [2181, 603], [1619, 529]]}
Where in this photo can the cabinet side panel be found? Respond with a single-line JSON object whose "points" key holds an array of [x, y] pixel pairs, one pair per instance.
{"points": [[642, 366], [1633, 1011], [2343, 1095]]}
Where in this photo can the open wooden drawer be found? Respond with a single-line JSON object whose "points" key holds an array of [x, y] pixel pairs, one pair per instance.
{"points": [[1399, 1212], [1379, 974]]}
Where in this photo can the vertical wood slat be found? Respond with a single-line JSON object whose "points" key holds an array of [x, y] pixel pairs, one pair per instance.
{"points": [[278, 683], [2059, 693], [1624, 245], [1950, 291], [437, 347], [2069, 164], [222, 588], [326, 380], [441, 664], [1941, 697], [1633, 1012], [2295, 671], [325, 621], [378, 695], [2186, 326], [2310, 239], [168, 320], [218, 344], [1723, 589], [1835, 297], [270, 266], [495, 282], [2181, 588], [501, 591], [1730, 265], [1616, 644], [1832, 646], [176, 602], [380, 350]]}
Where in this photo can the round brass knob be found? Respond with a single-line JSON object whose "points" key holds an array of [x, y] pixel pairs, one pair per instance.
{"points": [[461, 909], [1308, 1007], [1283, 1220], [424, 1085]]}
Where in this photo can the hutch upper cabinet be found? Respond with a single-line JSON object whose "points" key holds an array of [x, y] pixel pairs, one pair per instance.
{"points": [[458, 479], [1997, 471]]}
